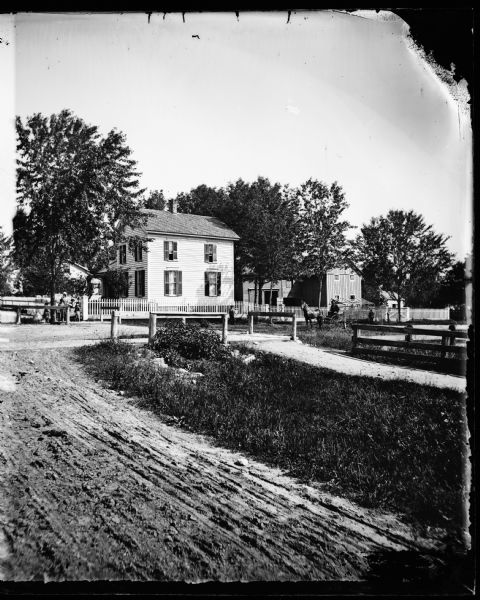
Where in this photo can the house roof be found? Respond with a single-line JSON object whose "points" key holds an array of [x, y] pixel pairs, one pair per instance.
{"points": [[163, 221]]}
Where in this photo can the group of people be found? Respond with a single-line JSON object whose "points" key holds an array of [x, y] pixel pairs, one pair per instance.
{"points": [[72, 305]]}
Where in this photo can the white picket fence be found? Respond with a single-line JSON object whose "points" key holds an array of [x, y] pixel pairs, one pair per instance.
{"points": [[141, 307]]}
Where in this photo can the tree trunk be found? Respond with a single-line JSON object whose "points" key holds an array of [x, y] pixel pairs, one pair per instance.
{"points": [[271, 299], [399, 305], [52, 293], [260, 286], [320, 285]]}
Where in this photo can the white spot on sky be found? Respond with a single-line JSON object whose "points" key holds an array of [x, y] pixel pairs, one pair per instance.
{"points": [[293, 109]]}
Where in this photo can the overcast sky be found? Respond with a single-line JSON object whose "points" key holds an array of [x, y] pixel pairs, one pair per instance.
{"points": [[329, 96]]}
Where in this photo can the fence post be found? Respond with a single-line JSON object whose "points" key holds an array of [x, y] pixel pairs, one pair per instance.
{"points": [[84, 308], [444, 345], [452, 328], [67, 315], [354, 336], [19, 315], [250, 323], [224, 329], [114, 325], [408, 336], [152, 326], [294, 327]]}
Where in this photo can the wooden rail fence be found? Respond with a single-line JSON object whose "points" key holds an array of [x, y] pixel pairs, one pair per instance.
{"points": [[258, 313], [448, 343]]}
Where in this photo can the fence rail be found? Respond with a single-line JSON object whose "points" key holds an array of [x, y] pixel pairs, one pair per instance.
{"points": [[447, 345]]}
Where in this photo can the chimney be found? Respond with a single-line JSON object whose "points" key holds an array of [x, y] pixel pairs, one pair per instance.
{"points": [[172, 206]]}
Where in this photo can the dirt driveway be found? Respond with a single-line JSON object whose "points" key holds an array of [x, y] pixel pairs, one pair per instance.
{"points": [[97, 488]]}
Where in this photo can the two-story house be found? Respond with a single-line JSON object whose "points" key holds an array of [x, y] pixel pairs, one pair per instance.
{"points": [[188, 259]]}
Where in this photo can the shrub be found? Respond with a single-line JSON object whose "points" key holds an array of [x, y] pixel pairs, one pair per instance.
{"points": [[188, 341]]}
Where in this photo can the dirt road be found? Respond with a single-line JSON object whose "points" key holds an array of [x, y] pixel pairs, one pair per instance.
{"points": [[97, 488]]}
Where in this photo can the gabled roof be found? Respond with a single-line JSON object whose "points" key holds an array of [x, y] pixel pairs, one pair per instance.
{"points": [[163, 221]]}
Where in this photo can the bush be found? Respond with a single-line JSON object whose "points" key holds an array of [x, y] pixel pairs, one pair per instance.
{"points": [[188, 341]]}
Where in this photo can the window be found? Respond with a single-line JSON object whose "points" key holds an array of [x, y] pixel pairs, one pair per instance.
{"points": [[138, 252], [352, 297], [173, 283], [140, 283], [213, 283], [352, 276], [210, 253], [122, 254], [337, 277], [170, 251]]}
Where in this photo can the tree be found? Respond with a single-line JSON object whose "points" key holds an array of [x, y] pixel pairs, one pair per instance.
{"points": [[155, 200], [401, 254], [320, 232], [262, 214], [76, 191], [452, 287], [6, 264], [268, 227], [116, 282]]}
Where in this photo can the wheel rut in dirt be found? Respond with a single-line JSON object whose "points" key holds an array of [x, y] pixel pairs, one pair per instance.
{"points": [[98, 488]]}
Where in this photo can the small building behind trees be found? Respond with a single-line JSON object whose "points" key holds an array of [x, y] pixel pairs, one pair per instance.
{"points": [[341, 284]]}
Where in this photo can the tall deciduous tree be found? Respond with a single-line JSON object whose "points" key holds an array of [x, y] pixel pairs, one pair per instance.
{"points": [[401, 254], [156, 200], [262, 214], [320, 229], [6, 264], [76, 190]]}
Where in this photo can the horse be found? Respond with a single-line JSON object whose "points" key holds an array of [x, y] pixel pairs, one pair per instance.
{"points": [[310, 314]]}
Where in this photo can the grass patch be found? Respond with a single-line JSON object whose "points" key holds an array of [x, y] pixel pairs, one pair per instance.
{"points": [[393, 445]]}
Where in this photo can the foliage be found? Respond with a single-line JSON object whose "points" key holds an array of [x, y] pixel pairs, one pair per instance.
{"points": [[451, 291], [6, 264], [189, 341], [156, 200], [321, 233], [262, 214], [402, 254], [76, 191], [116, 281], [388, 444]]}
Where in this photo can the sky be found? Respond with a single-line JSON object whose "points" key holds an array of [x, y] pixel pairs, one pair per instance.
{"points": [[329, 96]]}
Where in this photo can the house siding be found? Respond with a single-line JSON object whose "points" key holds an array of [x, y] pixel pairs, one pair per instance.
{"points": [[191, 261], [344, 287], [131, 266]]}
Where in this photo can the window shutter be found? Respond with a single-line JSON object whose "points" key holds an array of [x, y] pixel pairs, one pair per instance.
{"points": [[165, 252], [179, 283], [205, 252], [219, 284], [214, 252], [166, 282], [174, 250], [142, 283], [207, 287], [136, 283]]}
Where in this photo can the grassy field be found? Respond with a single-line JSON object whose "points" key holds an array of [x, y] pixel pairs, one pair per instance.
{"points": [[393, 445]]}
